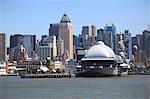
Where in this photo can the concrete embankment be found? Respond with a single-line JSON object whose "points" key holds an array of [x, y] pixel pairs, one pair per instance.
{"points": [[46, 76], [139, 73]]}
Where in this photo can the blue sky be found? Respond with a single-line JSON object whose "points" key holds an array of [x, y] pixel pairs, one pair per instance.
{"points": [[34, 16]]}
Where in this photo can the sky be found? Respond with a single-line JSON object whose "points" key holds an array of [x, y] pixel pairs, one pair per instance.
{"points": [[35, 16]]}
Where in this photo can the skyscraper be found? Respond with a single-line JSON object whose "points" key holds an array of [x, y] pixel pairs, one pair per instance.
{"points": [[87, 30], [146, 40], [15, 40], [54, 30], [100, 35], [29, 42], [128, 44], [65, 33], [94, 32], [86, 33], [2, 47], [47, 47], [110, 35]]}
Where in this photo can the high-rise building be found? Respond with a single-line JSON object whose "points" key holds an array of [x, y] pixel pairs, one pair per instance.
{"points": [[60, 47], [84, 40], [86, 33], [110, 35], [120, 43], [54, 30], [65, 33], [94, 32], [87, 30], [15, 40], [29, 42], [76, 41], [146, 40], [100, 35], [128, 44], [2, 47], [47, 47]]}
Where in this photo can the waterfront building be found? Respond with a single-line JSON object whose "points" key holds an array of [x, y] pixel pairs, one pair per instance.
{"points": [[29, 42], [110, 35], [54, 30], [2, 47], [65, 33]]}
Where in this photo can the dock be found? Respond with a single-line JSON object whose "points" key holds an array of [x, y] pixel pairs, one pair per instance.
{"points": [[58, 75]]}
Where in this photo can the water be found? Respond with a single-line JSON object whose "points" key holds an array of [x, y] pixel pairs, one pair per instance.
{"points": [[131, 87]]}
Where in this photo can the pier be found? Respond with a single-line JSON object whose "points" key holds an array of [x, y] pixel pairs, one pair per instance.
{"points": [[46, 75]]}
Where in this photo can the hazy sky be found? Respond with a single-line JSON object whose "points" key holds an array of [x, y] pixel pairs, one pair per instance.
{"points": [[34, 16]]}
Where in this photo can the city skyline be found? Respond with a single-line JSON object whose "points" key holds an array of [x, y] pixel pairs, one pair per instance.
{"points": [[34, 17]]}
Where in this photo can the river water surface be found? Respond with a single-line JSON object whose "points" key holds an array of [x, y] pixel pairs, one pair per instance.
{"points": [[130, 87]]}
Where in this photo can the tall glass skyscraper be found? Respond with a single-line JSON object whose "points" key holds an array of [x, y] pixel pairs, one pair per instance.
{"points": [[29, 42], [110, 35]]}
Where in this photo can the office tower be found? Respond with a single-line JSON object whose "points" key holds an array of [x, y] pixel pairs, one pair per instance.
{"points": [[54, 30], [2, 47], [15, 40], [84, 39], [110, 35], [120, 43], [100, 35], [60, 47], [94, 32], [47, 48], [65, 33], [128, 44], [86, 33], [137, 48], [87, 30], [76, 41], [146, 40], [29, 42]]}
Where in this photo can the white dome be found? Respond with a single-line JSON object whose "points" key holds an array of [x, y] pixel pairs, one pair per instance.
{"points": [[100, 50]]}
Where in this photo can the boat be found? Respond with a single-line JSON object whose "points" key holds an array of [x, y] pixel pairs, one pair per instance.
{"points": [[124, 69], [100, 60]]}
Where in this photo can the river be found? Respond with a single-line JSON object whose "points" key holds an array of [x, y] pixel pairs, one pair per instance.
{"points": [[129, 87]]}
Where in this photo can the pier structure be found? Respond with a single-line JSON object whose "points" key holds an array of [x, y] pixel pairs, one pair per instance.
{"points": [[47, 75]]}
